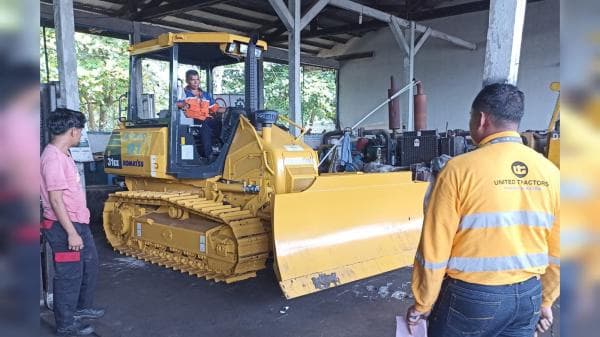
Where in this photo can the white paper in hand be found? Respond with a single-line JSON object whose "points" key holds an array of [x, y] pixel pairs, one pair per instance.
{"points": [[420, 330]]}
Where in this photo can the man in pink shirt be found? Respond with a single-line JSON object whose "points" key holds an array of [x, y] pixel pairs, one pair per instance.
{"points": [[66, 227]]}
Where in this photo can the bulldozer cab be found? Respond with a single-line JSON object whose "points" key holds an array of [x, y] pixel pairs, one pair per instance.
{"points": [[157, 85]]}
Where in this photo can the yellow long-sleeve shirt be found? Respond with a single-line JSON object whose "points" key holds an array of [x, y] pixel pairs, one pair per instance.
{"points": [[493, 219]]}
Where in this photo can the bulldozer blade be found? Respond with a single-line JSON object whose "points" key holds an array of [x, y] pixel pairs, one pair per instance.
{"points": [[346, 227]]}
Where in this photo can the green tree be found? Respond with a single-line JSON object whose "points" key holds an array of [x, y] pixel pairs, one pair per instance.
{"points": [[102, 70], [318, 89], [318, 96]]}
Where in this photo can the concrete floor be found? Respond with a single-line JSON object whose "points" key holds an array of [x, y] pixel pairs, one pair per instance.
{"points": [[144, 300]]}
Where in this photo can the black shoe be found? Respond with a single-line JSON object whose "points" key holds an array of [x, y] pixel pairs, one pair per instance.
{"points": [[77, 329], [89, 313]]}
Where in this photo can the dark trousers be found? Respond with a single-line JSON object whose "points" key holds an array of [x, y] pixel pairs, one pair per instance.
{"points": [[466, 309], [75, 274], [211, 128]]}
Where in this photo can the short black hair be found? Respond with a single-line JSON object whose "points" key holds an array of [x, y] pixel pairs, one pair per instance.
{"points": [[191, 73], [505, 102], [62, 119]]}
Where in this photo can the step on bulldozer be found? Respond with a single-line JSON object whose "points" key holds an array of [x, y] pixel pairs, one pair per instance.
{"points": [[259, 194]]}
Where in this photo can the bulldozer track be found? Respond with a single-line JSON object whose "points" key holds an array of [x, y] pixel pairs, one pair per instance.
{"points": [[250, 235]]}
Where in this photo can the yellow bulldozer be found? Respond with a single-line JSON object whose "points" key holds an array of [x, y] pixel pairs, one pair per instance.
{"points": [[261, 195]]}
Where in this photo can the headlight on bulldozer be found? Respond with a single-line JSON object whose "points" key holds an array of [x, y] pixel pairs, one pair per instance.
{"points": [[232, 47], [243, 49]]}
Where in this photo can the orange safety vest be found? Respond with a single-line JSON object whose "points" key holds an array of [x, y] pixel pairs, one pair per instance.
{"points": [[199, 108]]}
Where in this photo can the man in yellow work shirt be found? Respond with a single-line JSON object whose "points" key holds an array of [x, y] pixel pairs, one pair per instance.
{"points": [[488, 263]]}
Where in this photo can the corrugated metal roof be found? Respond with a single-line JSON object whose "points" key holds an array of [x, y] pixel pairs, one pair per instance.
{"points": [[331, 27]]}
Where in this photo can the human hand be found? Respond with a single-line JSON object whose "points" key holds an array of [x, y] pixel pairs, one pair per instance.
{"points": [[75, 242], [546, 320], [413, 316]]}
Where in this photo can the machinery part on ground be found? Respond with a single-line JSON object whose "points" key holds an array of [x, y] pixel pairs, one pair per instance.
{"points": [[353, 127], [420, 107], [453, 143], [417, 147], [394, 116], [374, 150]]}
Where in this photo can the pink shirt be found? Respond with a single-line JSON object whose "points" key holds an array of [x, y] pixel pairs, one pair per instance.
{"points": [[59, 173]]}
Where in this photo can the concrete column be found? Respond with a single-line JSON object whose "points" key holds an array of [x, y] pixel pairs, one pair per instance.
{"points": [[294, 23], [65, 47], [404, 99], [411, 74], [64, 25], [503, 49], [294, 65]]}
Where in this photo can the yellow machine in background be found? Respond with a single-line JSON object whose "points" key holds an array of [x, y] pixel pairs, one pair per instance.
{"points": [[221, 218], [547, 142]]}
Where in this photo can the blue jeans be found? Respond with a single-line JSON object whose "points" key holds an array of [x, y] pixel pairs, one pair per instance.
{"points": [[466, 309], [210, 129]]}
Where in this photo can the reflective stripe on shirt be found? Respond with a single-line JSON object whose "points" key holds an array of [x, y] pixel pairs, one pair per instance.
{"points": [[503, 219], [430, 265], [503, 263]]}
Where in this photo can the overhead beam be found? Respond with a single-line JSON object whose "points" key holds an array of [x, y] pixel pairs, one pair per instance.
{"points": [[326, 13], [399, 35], [314, 10], [354, 56], [239, 16], [280, 55], [470, 7], [213, 22], [173, 8], [503, 48], [423, 39], [85, 7], [317, 44], [129, 8], [95, 23], [283, 13], [187, 27], [386, 17], [345, 29], [303, 49], [334, 39]]}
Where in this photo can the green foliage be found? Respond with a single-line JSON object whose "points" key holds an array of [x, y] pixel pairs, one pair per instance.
{"points": [[318, 90], [276, 87], [155, 80], [103, 71], [318, 96]]}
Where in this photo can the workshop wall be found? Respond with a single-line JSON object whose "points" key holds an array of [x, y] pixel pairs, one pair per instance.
{"points": [[452, 76]]}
